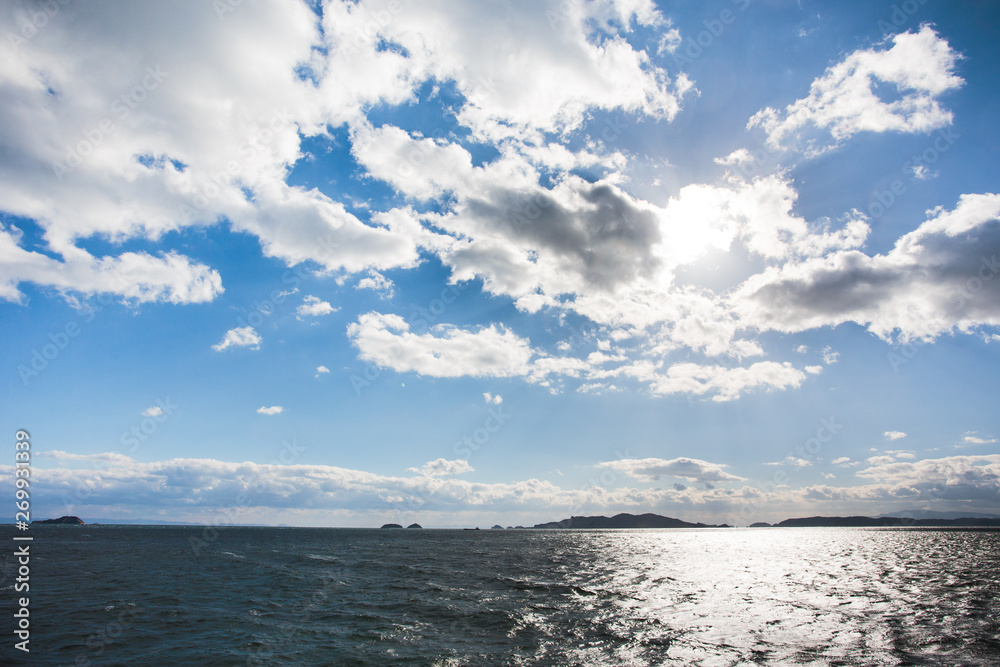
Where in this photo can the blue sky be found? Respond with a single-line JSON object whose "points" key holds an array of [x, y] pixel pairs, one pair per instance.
{"points": [[473, 263]]}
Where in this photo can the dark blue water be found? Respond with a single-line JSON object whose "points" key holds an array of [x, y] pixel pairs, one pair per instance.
{"points": [[117, 595]]}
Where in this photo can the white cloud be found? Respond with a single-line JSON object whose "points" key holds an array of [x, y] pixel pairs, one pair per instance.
{"points": [[845, 100], [726, 384], [579, 60], [813, 370], [950, 476], [321, 370], [443, 467], [829, 356], [154, 411], [893, 435], [736, 158], [135, 276], [695, 471], [842, 461], [239, 337], [445, 351], [195, 489], [922, 172], [160, 139], [523, 222], [492, 399], [918, 289], [272, 410], [377, 282], [973, 439], [669, 41], [313, 306]]}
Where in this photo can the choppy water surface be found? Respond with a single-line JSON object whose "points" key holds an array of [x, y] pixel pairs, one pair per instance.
{"points": [[139, 595]]}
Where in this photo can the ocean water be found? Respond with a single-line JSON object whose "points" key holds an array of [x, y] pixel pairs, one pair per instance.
{"points": [[126, 595]]}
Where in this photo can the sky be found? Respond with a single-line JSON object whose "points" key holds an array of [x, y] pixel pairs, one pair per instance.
{"points": [[343, 264]]}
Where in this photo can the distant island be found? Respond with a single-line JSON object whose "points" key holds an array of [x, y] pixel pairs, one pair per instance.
{"points": [[624, 521], [392, 526], [71, 520], [884, 522], [414, 525]]}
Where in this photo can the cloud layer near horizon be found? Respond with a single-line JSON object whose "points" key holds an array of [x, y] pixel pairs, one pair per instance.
{"points": [[231, 492]]}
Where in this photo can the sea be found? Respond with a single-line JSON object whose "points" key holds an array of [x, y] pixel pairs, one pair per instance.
{"points": [[183, 596]]}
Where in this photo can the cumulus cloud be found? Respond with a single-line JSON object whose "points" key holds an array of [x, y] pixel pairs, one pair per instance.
{"points": [[695, 471], [239, 337], [154, 411], [937, 278], [445, 351], [893, 435], [492, 399], [376, 282], [726, 384], [442, 467], [580, 59], [494, 351], [272, 410], [949, 476], [846, 100], [322, 370], [313, 306], [269, 492], [134, 276], [173, 139], [221, 123]]}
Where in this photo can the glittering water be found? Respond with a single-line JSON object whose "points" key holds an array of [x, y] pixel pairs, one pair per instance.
{"points": [[254, 596]]}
